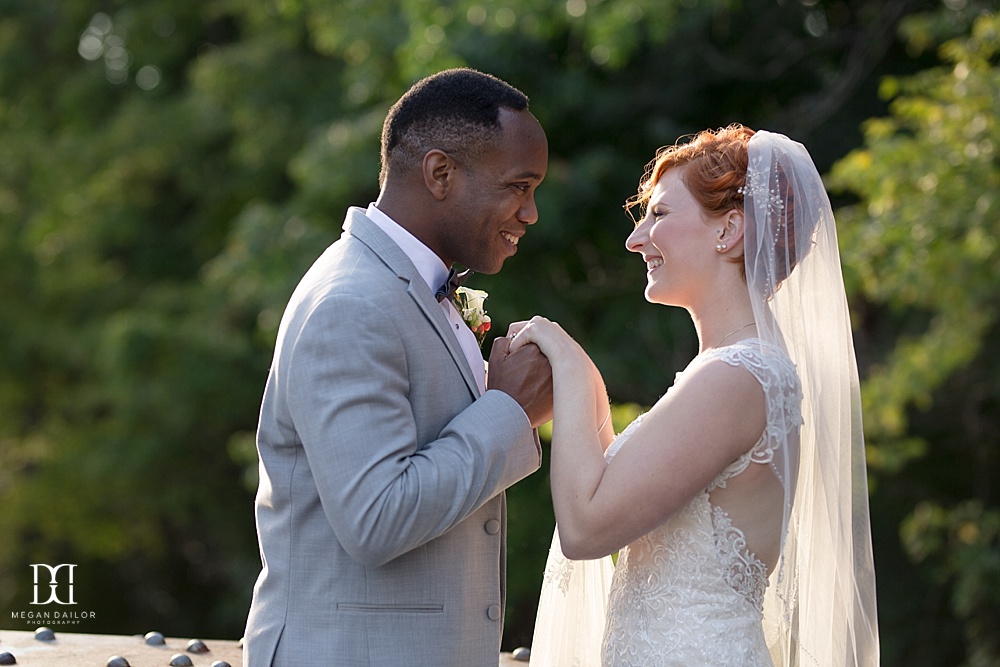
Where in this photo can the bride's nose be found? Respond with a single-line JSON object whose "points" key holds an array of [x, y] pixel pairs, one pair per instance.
{"points": [[639, 236]]}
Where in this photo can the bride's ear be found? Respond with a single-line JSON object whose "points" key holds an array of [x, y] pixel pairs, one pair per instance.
{"points": [[730, 232]]}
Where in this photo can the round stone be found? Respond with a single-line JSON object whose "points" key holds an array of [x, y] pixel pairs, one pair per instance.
{"points": [[197, 646], [117, 661], [220, 663], [180, 660], [44, 634], [7, 659], [521, 654], [154, 639]]}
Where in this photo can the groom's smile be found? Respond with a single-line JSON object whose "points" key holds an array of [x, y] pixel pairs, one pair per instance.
{"points": [[494, 201]]}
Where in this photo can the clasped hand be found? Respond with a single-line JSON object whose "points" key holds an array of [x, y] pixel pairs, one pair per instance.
{"points": [[557, 345], [522, 365], [525, 376]]}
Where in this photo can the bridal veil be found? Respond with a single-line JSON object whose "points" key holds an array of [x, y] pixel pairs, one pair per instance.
{"points": [[820, 604]]}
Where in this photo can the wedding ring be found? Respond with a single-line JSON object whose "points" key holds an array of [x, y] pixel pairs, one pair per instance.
{"points": [[513, 335]]}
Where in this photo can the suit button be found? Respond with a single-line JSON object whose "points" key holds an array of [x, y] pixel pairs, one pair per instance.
{"points": [[492, 526], [493, 612]]}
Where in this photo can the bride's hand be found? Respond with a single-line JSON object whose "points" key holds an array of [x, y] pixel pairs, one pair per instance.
{"points": [[575, 376], [551, 339]]}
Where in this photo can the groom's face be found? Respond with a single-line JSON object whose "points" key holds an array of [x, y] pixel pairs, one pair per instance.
{"points": [[495, 201]]}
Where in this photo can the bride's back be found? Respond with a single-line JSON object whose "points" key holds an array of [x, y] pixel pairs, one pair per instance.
{"points": [[753, 501]]}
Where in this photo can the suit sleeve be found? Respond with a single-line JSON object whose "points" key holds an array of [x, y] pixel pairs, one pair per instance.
{"points": [[383, 492]]}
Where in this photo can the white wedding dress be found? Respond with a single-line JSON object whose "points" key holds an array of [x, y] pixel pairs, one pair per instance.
{"points": [[691, 592]]}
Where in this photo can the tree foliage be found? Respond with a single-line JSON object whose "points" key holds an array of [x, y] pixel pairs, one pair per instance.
{"points": [[171, 167], [922, 249]]}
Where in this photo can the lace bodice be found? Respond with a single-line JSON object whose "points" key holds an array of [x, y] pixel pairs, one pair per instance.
{"points": [[691, 592]]}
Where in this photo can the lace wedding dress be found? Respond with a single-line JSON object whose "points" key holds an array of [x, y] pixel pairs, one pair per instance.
{"points": [[691, 592]]}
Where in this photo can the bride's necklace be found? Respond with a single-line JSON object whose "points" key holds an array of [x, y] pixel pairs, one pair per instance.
{"points": [[719, 344]]}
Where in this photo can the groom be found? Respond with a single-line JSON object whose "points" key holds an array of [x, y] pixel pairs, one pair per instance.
{"points": [[384, 452]]}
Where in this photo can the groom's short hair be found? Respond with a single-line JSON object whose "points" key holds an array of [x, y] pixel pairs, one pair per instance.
{"points": [[457, 111]]}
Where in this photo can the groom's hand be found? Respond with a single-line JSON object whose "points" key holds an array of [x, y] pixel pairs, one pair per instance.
{"points": [[525, 376]]}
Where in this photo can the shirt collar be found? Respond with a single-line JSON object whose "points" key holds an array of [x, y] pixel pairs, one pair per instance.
{"points": [[428, 264]]}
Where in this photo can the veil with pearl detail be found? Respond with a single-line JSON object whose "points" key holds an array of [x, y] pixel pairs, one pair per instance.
{"points": [[820, 603]]}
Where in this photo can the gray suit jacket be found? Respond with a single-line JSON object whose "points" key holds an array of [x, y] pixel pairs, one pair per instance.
{"points": [[380, 513]]}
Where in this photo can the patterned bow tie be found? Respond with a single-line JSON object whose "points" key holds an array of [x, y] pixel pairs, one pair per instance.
{"points": [[452, 283]]}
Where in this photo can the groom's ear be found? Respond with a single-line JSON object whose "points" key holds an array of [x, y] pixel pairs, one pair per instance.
{"points": [[439, 171]]}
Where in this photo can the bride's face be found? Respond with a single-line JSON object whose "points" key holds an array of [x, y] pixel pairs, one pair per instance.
{"points": [[677, 242]]}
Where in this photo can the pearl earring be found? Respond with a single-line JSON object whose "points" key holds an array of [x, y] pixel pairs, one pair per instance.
{"points": [[721, 246]]}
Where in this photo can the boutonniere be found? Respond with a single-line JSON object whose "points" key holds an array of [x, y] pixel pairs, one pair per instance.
{"points": [[469, 303]]}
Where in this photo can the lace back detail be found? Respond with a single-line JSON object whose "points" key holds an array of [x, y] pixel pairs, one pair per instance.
{"points": [[691, 592], [745, 573], [783, 395]]}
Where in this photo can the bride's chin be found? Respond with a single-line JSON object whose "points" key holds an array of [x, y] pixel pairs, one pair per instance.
{"points": [[662, 301], [653, 297]]}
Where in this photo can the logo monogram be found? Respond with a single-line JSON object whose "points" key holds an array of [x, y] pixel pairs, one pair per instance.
{"points": [[53, 583]]}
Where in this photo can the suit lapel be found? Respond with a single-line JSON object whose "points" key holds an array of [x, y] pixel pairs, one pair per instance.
{"points": [[360, 227]]}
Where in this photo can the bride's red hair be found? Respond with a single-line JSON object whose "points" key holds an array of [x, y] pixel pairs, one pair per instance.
{"points": [[716, 162]]}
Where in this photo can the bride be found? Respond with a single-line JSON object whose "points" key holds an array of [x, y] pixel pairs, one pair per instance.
{"points": [[738, 503]]}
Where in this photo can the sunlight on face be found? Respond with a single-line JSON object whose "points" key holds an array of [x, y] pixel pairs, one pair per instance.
{"points": [[676, 242]]}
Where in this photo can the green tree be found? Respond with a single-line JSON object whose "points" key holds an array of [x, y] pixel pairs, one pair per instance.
{"points": [[921, 252], [123, 372]]}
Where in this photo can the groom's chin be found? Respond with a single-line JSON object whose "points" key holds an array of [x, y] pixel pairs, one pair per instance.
{"points": [[489, 267]]}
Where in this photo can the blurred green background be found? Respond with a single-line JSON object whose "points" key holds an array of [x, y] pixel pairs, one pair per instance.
{"points": [[169, 168]]}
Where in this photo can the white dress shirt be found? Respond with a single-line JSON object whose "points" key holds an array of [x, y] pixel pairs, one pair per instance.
{"points": [[434, 272]]}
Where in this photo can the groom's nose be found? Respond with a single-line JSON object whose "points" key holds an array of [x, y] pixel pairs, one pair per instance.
{"points": [[528, 212]]}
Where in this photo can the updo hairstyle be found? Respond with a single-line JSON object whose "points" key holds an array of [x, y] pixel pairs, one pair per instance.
{"points": [[716, 172], [717, 167]]}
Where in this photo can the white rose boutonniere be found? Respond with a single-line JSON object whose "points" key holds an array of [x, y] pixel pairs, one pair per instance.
{"points": [[469, 303]]}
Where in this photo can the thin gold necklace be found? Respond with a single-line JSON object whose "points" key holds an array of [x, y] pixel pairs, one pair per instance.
{"points": [[719, 344]]}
